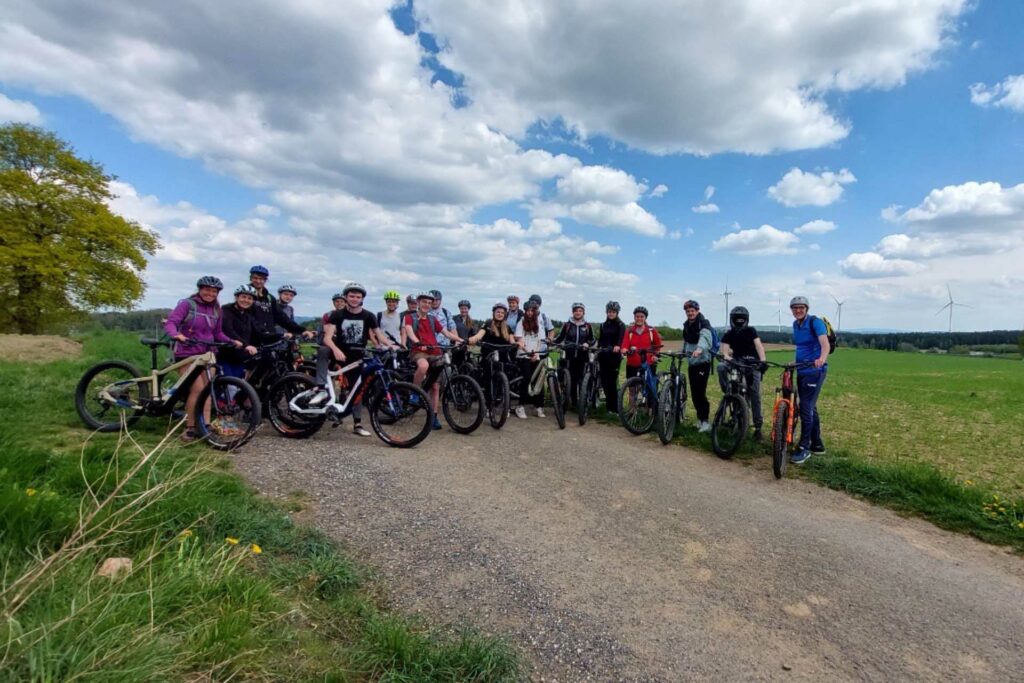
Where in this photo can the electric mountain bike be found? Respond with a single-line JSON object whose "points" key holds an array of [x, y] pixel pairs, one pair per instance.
{"points": [[671, 397], [115, 393], [785, 414], [638, 397], [548, 373], [732, 419], [488, 370], [461, 398]]}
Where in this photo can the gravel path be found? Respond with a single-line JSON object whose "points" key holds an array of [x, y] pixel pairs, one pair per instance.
{"points": [[608, 557]]}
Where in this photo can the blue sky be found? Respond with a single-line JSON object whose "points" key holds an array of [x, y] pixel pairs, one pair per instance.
{"points": [[557, 148]]}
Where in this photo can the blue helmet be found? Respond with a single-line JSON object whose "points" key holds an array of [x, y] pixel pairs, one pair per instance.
{"points": [[259, 270]]}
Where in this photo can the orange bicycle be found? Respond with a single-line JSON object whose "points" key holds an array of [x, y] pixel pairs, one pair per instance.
{"points": [[785, 414]]}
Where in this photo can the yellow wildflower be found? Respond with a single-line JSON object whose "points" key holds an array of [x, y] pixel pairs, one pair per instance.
{"points": [[256, 550], [187, 533], [1020, 525], [30, 492], [231, 541], [968, 482]]}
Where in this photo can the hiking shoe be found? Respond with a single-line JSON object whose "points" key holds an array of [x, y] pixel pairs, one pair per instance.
{"points": [[818, 450], [704, 427], [188, 436], [360, 430], [521, 412], [800, 457], [758, 436], [437, 423], [319, 398], [540, 412]]}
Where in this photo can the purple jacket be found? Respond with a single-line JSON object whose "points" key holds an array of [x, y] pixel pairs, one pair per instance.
{"points": [[204, 326]]}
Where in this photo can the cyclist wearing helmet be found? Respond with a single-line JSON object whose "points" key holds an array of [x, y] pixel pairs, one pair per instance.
{"points": [[425, 330], [576, 330], [697, 343], [741, 341], [610, 337], [811, 339], [339, 303], [465, 327], [531, 339], [238, 325], [285, 294], [496, 330], [390, 319], [545, 321], [515, 314], [640, 337], [442, 314], [193, 321], [267, 314]]}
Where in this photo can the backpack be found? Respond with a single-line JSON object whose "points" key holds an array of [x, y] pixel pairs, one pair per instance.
{"points": [[191, 315], [833, 341], [716, 341]]}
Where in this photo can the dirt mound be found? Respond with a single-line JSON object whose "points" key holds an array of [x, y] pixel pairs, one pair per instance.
{"points": [[40, 348]]}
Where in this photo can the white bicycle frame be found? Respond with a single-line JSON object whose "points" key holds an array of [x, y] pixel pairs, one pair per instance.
{"points": [[333, 395]]}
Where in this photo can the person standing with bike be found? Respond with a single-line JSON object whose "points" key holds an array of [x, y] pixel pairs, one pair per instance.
{"points": [[267, 313], [424, 330], [390, 319], [515, 314], [698, 340], [577, 331], [532, 340], [639, 339], [193, 323], [465, 327], [610, 336], [742, 341], [812, 346], [238, 325]]}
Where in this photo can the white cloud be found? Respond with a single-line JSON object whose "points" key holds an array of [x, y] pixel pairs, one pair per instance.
{"points": [[1008, 94], [562, 284], [675, 234], [816, 227], [18, 111], [799, 188], [601, 196], [871, 265], [763, 241], [708, 207], [659, 190], [666, 78], [266, 210], [709, 192], [970, 207]]}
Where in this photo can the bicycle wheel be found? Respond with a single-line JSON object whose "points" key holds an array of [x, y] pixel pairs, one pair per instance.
{"points": [[499, 400], [565, 380], [462, 403], [557, 400], [729, 426], [234, 413], [780, 450], [406, 409], [665, 419], [585, 398], [636, 406], [284, 420], [116, 377]]}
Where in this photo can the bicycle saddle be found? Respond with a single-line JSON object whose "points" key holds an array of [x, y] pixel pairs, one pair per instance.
{"points": [[153, 343]]}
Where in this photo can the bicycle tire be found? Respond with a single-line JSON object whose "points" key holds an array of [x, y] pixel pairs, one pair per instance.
{"points": [[460, 395], [285, 422], [665, 417], [82, 391], [565, 380], [583, 406], [499, 409], [557, 401], [234, 415], [643, 423], [729, 426], [780, 452], [398, 397]]}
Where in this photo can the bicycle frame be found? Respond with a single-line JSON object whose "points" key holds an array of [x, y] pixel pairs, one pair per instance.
{"points": [[155, 400], [371, 368], [787, 394]]}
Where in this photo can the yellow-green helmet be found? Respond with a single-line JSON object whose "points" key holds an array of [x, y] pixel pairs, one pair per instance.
{"points": [[392, 294]]}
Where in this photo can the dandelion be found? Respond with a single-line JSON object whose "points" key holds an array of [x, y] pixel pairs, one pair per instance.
{"points": [[187, 533], [231, 541], [1020, 525], [30, 492], [256, 550], [968, 482]]}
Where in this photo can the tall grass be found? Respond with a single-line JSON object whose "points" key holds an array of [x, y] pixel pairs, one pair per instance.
{"points": [[223, 584]]}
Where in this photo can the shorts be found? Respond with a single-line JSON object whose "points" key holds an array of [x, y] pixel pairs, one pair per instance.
{"points": [[432, 359]]}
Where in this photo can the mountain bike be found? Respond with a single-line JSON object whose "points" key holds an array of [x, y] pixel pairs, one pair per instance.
{"points": [[548, 374], [785, 414], [272, 362], [400, 412], [638, 397], [732, 419], [671, 397], [590, 384], [115, 393], [489, 371], [461, 398]]}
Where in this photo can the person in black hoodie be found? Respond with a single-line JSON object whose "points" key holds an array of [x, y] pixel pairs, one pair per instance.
{"points": [[576, 330], [237, 324], [267, 313], [610, 337]]}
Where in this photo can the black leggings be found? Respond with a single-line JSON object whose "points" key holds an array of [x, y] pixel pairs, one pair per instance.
{"points": [[610, 381], [576, 368], [699, 375]]}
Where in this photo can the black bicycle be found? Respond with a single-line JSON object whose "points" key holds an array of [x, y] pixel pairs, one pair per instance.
{"points": [[671, 397], [733, 416], [488, 370], [590, 384], [461, 398], [272, 362]]}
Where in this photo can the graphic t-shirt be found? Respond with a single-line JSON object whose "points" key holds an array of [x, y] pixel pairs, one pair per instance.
{"points": [[741, 342], [352, 330]]}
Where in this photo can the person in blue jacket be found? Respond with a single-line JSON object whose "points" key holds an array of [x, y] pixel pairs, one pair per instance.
{"points": [[811, 339]]}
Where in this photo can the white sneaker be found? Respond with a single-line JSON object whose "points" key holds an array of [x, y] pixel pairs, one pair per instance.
{"points": [[319, 398], [704, 427], [360, 430], [521, 412], [540, 412]]}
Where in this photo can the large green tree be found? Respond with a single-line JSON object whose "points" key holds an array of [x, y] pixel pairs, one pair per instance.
{"points": [[62, 250]]}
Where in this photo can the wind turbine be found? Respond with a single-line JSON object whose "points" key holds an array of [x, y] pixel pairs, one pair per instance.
{"points": [[779, 312], [839, 313], [726, 294], [951, 305]]}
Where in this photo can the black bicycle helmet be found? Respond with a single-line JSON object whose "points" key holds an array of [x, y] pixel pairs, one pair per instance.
{"points": [[465, 302], [531, 305], [337, 295], [640, 309], [739, 317], [436, 293], [259, 270], [210, 281], [536, 297], [613, 306]]}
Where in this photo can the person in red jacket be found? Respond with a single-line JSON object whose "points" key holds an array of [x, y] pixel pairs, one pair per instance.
{"points": [[639, 337]]}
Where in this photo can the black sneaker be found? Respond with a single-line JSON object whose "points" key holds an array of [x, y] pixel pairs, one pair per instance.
{"points": [[818, 450], [757, 435]]}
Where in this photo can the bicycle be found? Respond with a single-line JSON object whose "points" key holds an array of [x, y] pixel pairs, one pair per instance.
{"points": [[488, 370], [272, 362], [227, 410], [671, 397], [732, 419], [590, 384], [400, 412], [548, 373], [785, 414], [638, 397], [461, 398]]}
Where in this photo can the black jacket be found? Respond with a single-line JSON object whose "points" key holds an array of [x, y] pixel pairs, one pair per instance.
{"points": [[610, 334], [237, 324], [267, 314], [575, 334]]}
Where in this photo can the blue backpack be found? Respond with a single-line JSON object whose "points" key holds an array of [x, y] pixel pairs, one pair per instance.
{"points": [[716, 341]]}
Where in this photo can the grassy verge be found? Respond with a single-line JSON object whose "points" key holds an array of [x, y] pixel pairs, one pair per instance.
{"points": [[223, 584]]}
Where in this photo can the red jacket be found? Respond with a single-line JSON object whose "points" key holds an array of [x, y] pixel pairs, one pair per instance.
{"points": [[643, 338]]}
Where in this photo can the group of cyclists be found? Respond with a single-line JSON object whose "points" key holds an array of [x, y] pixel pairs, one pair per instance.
{"points": [[426, 330]]}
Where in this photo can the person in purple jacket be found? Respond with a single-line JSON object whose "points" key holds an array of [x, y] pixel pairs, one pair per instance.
{"points": [[193, 321]]}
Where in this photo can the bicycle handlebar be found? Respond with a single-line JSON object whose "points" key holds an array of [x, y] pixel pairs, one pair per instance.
{"points": [[791, 366]]}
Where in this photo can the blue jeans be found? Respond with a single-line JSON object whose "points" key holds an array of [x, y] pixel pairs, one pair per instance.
{"points": [[231, 369], [809, 383]]}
